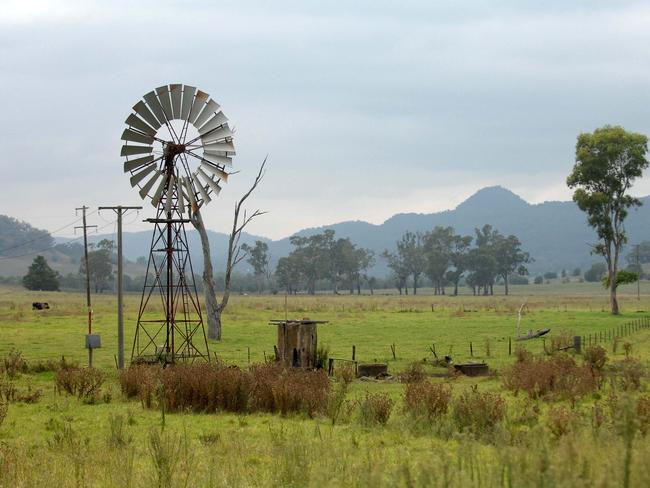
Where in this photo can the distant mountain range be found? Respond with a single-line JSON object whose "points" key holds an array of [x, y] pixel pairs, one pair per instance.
{"points": [[554, 233]]}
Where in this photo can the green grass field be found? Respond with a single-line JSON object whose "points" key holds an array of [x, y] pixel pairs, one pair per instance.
{"points": [[63, 441]]}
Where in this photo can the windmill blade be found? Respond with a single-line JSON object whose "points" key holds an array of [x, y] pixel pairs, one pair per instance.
{"points": [[219, 147], [217, 159], [214, 123], [190, 192], [175, 93], [163, 96], [132, 150], [218, 172], [134, 121], [136, 163], [155, 199], [170, 194], [138, 177], [188, 98], [217, 134], [211, 183], [179, 196], [199, 103], [201, 188], [207, 112], [133, 136], [143, 111], [156, 108]]}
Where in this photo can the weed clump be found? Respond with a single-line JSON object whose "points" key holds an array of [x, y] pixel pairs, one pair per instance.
{"points": [[84, 383], [560, 421], [427, 399], [14, 364], [210, 388], [413, 374], [375, 409], [478, 411], [558, 376]]}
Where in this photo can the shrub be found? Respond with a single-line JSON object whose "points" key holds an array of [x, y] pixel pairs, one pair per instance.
{"points": [[14, 364], [631, 373], [538, 280], [266, 387], [560, 421], [375, 409], [558, 376], [426, 399], [322, 354], [643, 413], [4, 408], [140, 380], [596, 357], [85, 383], [413, 374], [336, 399], [478, 412]]}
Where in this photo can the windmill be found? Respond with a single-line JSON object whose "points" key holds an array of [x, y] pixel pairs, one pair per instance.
{"points": [[177, 147]]}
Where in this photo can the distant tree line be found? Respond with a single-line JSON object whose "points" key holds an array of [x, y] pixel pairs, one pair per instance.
{"points": [[446, 258]]}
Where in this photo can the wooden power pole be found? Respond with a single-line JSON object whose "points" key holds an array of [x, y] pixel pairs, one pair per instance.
{"points": [[119, 210], [90, 310]]}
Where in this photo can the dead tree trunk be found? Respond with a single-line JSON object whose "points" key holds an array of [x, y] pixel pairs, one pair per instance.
{"points": [[214, 307]]}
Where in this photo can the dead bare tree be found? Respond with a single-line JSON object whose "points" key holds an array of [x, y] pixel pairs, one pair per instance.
{"points": [[214, 308]]}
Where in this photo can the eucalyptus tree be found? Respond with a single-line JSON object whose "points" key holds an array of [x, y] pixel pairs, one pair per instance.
{"points": [[607, 162]]}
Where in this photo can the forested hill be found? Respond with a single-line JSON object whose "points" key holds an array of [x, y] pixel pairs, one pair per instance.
{"points": [[555, 233], [17, 238]]}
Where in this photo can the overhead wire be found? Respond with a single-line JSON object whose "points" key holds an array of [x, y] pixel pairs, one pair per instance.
{"points": [[2, 258], [2, 251]]}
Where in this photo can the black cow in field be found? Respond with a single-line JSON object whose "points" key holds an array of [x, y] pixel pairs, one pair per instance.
{"points": [[40, 306]]}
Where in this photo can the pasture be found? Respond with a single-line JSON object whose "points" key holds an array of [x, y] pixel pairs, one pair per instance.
{"points": [[595, 439]]}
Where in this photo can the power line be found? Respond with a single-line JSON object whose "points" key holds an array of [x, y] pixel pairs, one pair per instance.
{"points": [[2, 251], [2, 258]]}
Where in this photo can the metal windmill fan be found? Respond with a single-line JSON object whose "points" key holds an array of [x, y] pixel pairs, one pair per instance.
{"points": [[187, 159], [177, 147]]}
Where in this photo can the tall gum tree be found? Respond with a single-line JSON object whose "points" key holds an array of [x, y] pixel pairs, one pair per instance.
{"points": [[607, 163]]}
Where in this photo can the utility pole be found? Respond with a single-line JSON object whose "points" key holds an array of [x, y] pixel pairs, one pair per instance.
{"points": [[90, 310], [119, 210]]}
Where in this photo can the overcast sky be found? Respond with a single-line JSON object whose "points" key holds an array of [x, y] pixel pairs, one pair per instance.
{"points": [[365, 108]]}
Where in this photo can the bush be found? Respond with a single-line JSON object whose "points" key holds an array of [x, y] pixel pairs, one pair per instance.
{"points": [[558, 376], [14, 364], [631, 372], [413, 374], [85, 383], [595, 273], [560, 421], [551, 275], [596, 357], [643, 413], [375, 409], [209, 388], [336, 399], [140, 380], [478, 412], [538, 280], [426, 399], [519, 280]]}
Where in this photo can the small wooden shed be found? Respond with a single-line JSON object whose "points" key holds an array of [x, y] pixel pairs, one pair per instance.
{"points": [[297, 342]]}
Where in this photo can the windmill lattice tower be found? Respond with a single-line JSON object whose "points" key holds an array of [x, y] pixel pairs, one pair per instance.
{"points": [[177, 147]]}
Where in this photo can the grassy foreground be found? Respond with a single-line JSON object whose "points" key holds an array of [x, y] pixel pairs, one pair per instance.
{"points": [[593, 440]]}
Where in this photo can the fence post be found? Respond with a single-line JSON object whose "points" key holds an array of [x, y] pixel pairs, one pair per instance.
{"points": [[354, 352], [471, 350], [509, 346], [577, 344]]}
